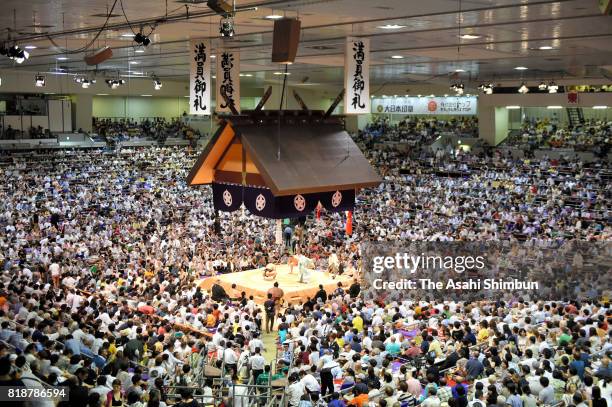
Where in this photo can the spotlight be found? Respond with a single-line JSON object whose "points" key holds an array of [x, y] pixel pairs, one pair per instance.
{"points": [[16, 54], [23, 55], [86, 83], [486, 88], [140, 38], [226, 27], [552, 87], [114, 83], [457, 88], [157, 84], [39, 81], [542, 86], [523, 89]]}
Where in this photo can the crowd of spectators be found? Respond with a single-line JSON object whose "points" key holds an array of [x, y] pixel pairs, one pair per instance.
{"points": [[416, 131], [116, 130], [589, 135], [102, 255], [38, 132]]}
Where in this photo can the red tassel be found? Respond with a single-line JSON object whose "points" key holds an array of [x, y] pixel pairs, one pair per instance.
{"points": [[319, 211], [349, 223]]}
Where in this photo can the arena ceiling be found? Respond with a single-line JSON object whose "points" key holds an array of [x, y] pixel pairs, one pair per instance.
{"points": [[431, 38]]}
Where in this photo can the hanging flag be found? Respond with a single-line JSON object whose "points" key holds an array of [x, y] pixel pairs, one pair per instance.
{"points": [[199, 77], [357, 76], [319, 211], [349, 223], [279, 232], [228, 80]]}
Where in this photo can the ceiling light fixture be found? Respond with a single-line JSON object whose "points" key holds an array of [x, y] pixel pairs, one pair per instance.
{"points": [[521, 68], [554, 107], [142, 39], [600, 107], [140, 51], [30, 47], [459, 70], [513, 107], [470, 36], [114, 83], [226, 27], [282, 73], [39, 81], [86, 83], [15, 53], [391, 26], [62, 58], [523, 88], [545, 47], [486, 88], [397, 57], [157, 84], [458, 88], [273, 17]]}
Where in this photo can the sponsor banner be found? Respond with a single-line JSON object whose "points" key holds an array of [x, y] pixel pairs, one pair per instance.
{"points": [[452, 105], [199, 77], [357, 76], [228, 80]]}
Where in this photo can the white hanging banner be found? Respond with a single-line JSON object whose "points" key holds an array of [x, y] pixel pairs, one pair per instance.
{"points": [[199, 78], [228, 80], [357, 76]]}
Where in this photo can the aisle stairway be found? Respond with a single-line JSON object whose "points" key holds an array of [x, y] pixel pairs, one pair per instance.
{"points": [[575, 115], [269, 341]]}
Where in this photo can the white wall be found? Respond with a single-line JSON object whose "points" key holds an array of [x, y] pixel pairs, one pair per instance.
{"points": [[23, 82], [545, 99], [561, 114], [136, 107]]}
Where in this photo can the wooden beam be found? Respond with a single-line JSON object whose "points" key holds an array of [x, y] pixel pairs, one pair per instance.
{"points": [[300, 101], [334, 105], [264, 99]]}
